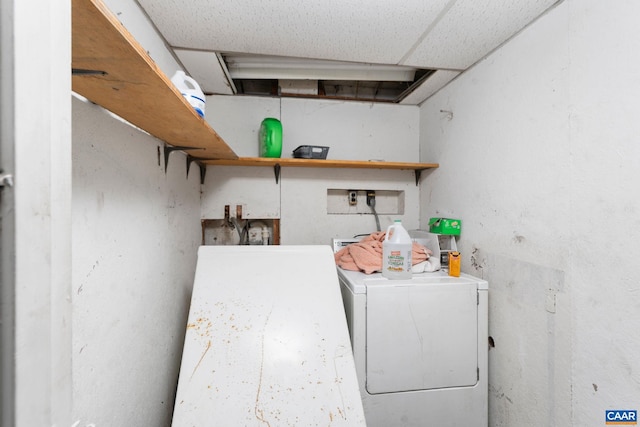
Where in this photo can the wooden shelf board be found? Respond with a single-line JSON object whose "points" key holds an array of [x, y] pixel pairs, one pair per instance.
{"points": [[133, 87], [315, 163]]}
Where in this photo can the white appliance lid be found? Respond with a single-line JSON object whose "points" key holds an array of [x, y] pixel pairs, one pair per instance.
{"points": [[358, 281]]}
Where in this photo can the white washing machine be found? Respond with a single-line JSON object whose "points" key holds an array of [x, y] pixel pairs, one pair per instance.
{"points": [[420, 348]]}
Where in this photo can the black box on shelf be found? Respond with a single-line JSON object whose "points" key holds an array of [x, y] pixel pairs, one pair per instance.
{"points": [[310, 152]]}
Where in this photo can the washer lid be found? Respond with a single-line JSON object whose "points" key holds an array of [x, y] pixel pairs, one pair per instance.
{"points": [[421, 335], [358, 282]]}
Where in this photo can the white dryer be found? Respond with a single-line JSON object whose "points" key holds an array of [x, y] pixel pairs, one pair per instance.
{"points": [[420, 348]]}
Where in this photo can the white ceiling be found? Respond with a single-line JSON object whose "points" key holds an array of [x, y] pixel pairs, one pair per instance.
{"points": [[447, 35]]}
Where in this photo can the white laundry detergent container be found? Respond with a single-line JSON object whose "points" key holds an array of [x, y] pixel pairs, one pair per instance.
{"points": [[191, 91], [396, 252]]}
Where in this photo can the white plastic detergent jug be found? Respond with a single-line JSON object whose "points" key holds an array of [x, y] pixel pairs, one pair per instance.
{"points": [[191, 91], [396, 252]]}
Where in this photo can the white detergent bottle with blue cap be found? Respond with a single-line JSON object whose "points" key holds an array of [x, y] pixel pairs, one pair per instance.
{"points": [[191, 91], [396, 252]]}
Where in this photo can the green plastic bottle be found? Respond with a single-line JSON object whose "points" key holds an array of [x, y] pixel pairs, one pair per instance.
{"points": [[270, 138]]}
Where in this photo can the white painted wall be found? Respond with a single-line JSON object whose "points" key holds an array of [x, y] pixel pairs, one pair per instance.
{"points": [[135, 235], [539, 158], [304, 203], [352, 130]]}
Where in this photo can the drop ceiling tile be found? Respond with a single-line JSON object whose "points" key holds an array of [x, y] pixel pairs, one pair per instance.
{"points": [[376, 31], [473, 28], [434, 83], [205, 68]]}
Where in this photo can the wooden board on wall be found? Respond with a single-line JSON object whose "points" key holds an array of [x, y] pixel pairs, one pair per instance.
{"points": [[111, 69]]}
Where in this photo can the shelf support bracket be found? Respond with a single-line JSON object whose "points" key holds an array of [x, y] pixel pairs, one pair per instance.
{"points": [[203, 167], [276, 171], [170, 149], [418, 172], [83, 72]]}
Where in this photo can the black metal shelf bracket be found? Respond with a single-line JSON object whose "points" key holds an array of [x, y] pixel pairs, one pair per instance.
{"points": [[418, 172], [83, 72], [168, 149], [202, 166], [276, 171]]}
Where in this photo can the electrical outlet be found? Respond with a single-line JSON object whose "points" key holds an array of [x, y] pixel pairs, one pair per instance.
{"points": [[353, 197], [364, 201], [371, 198]]}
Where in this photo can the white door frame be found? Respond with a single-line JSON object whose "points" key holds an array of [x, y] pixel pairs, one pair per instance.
{"points": [[7, 219], [36, 213]]}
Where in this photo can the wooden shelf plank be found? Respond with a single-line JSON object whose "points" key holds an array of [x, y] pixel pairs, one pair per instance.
{"points": [[315, 163], [133, 87]]}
